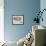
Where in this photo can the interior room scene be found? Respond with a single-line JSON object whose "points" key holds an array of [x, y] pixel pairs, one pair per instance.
{"points": [[22, 22]]}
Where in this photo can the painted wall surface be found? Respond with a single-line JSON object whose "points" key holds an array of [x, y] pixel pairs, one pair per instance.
{"points": [[1, 20], [43, 6], [19, 7]]}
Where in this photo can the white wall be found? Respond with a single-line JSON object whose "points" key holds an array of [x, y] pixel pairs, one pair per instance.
{"points": [[1, 20]]}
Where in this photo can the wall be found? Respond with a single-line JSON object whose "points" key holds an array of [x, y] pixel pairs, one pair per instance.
{"points": [[19, 7], [43, 6], [1, 20]]}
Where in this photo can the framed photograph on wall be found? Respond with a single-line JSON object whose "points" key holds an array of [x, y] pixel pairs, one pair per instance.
{"points": [[18, 19]]}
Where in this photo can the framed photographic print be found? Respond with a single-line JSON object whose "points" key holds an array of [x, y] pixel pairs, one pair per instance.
{"points": [[18, 19]]}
